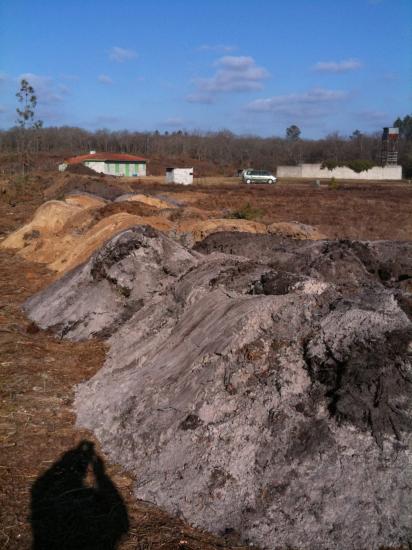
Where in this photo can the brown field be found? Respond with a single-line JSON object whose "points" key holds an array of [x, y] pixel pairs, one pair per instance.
{"points": [[355, 210], [38, 372]]}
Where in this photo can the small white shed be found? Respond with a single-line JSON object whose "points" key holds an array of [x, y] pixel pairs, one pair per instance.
{"points": [[183, 176]]}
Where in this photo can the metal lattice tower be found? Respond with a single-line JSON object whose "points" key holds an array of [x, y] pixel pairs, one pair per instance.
{"points": [[390, 139]]}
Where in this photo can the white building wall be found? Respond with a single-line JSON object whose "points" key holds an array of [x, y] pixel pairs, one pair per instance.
{"points": [[183, 176], [97, 166], [141, 169], [340, 172], [109, 168]]}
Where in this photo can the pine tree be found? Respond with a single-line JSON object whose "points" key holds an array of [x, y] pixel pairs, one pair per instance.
{"points": [[25, 120]]}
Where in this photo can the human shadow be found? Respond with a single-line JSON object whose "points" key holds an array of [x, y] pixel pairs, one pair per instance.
{"points": [[67, 513]]}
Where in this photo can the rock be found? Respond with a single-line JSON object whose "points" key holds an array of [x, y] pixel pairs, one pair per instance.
{"points": [[264, 386]]}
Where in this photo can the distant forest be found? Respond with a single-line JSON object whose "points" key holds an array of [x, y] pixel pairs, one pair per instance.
{"points": [[222, 149]]}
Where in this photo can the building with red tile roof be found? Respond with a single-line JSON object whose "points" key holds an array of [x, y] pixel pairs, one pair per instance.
{"points": [[113, 164]]}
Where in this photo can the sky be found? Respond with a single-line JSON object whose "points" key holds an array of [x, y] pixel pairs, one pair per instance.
{"points": [[249, 66]]}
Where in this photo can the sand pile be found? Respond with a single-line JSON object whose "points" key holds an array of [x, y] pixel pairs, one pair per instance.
{"points": [[147, 199], [64, 234], [69, 251], [49, 218], [201, 229], [269, 393], [85, 201]]}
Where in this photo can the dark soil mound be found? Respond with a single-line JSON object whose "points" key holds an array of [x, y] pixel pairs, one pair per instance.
{"points": [[132, 207], [105, 187], [265, 390], [80, 169]]}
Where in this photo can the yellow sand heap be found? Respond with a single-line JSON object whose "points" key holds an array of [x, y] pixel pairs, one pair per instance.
{"points": [[151, 201], [74, 250], [63, 235], [85, 201], [201, 229], [50, 217], [296, 230]]}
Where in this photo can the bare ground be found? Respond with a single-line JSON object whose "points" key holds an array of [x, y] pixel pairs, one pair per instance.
{"points": [[38, 372], [37, 375]]}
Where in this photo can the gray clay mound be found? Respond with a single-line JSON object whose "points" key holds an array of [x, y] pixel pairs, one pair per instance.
{"points": [[263, 385]]}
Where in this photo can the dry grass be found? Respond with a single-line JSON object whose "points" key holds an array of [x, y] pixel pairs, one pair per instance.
{"points": [[38, 372], [355, 210]]}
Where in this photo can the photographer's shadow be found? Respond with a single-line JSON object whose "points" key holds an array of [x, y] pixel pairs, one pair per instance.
{"points": [[67, 513]]}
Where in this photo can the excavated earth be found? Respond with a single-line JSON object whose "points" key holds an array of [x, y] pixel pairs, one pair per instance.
{"points": [[254, 383]]}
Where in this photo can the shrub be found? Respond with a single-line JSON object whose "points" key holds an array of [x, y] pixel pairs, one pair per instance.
{"points": [[330, 164], [358, 165], [247, 212], [333, 184]]}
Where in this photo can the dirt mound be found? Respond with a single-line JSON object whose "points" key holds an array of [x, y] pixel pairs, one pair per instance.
{"points": [[85, 200], [71, 250], [295, 230], [268, 394], [50, 217], [201, 229], [80, 169], [135, 208], [190, 213], [63, 235], [117, 295], [64, 184], [147, 199]]}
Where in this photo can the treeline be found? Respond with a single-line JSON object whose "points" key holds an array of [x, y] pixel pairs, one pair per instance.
{"points": [[222, 148]]}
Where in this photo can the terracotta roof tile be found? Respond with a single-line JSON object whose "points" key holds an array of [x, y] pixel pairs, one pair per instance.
{"points": [[105, 157]]}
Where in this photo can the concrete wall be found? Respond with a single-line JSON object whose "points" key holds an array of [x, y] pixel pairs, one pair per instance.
{"points": [[184, 176], [341, 172]]}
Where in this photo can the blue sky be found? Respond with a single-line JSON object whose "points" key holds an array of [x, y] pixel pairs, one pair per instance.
{"points": [[251, 66]]}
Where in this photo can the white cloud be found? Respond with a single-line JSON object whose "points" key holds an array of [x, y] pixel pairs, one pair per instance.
{"points": [[308, 104], [233, 74], [120, 55], [104, 79], [218, 48], [337, 66]]}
